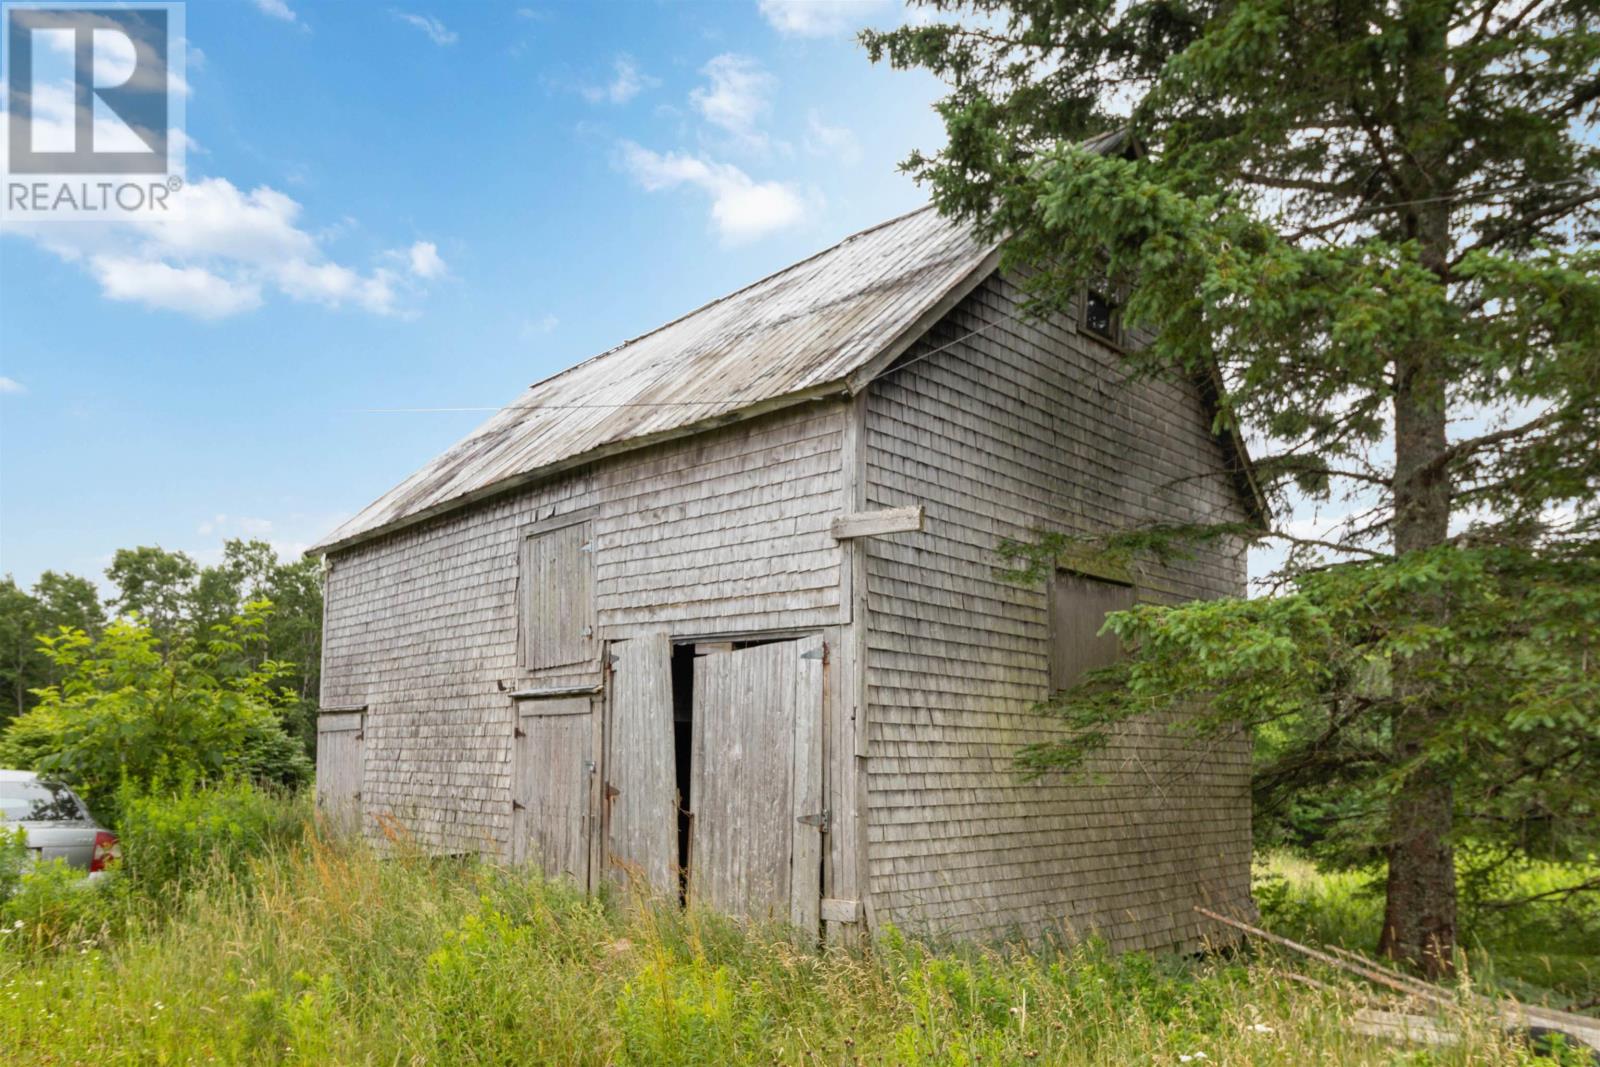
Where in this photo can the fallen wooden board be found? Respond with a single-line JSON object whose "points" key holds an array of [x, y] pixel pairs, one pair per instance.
{"points": [[1398, 1026], [1512, 1014]]}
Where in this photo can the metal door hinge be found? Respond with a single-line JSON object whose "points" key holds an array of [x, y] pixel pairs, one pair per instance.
{"points": [[816, 653], [516, 731], [516, 805], [820, 820]]}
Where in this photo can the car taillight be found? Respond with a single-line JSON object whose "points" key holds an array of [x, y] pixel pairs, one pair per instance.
{"points": [[106, 851]]}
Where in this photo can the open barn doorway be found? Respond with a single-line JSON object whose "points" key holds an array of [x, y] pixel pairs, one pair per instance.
{"points": [[747, 747]]}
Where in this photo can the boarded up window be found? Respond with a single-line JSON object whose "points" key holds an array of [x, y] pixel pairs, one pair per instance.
{"points": [[1078, 608], [558, 597]]}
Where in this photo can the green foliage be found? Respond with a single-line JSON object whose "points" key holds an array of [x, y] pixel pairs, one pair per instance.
{"points": [[172, 836], [57, 600], [14, 859], [176, 599], [55, 907], [127, 711], [326, 954]]}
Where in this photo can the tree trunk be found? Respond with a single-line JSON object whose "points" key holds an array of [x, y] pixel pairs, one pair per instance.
{"points": [[1419, 923]]}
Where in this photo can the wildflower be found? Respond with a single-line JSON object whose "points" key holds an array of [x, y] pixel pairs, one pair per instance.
{"points": [[1261, 1028], [1191, 1057]]}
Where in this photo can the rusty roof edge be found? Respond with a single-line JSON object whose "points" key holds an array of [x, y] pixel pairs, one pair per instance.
{"points": [[836, 388]]}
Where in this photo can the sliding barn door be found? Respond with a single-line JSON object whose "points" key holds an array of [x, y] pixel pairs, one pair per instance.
{"points": [[756, 782], [640, 792], [554, 759], [339, 769]]}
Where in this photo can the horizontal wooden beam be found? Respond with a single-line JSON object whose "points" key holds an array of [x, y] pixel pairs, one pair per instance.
{"points": [[555, 691], [873, 523]]}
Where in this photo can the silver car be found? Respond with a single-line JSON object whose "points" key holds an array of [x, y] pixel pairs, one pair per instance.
{"points": [[55, 821]]}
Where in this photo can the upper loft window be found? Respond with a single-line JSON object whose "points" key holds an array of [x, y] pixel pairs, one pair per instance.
{"points": [[1102, 313], [1079, 605], [557, 595]]}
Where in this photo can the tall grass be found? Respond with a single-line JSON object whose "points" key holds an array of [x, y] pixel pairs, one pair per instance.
{"points": [[319, 952]]}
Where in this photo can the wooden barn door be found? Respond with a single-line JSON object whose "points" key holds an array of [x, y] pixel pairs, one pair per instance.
{"points": [[339, 768], [554, 761], [639, 795], [757, 782]]}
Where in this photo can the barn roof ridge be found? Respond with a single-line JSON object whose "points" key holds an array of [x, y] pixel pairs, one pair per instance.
{"points": [[780, 339]]}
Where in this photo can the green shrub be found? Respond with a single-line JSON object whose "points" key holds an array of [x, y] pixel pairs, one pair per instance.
{"points": [[55, 906], [172, 836], [14, 859]]}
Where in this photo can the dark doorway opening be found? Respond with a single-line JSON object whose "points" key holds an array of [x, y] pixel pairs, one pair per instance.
{"points": [[682, 747]]}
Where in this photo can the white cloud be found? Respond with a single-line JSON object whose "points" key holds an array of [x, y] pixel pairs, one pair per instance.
{"points": [[741, 208], [834, 142], [821, 18], [222, 252], [627, 82], [277, 9], [333, 285], [424, 260], [737, 98], [437, 31], [11, 387], [191, 290]]}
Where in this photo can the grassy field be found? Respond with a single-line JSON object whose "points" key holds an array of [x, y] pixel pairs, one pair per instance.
{"points": [[315, 953]]}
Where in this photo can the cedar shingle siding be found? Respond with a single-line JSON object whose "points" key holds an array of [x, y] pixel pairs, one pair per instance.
{"points": [[722, 536], [1030, 425]]}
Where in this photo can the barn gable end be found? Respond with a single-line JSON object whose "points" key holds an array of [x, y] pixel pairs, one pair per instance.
{"points": [[1017, 425]]}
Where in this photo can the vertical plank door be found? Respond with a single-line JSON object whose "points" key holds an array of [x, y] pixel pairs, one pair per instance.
{"points": [[558, 621], [639, 793], [339, 769], [756, 782], [554, 756]]}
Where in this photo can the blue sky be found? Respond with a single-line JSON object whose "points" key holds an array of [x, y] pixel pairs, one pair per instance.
{"points": [[415, 206]]}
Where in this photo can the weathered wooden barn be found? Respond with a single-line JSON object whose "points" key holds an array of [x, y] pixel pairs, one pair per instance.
{"points": [[722, 605]]}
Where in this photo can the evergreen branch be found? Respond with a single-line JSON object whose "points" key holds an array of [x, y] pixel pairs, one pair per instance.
{"points": [[1470, 445], [1563, 892]]}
